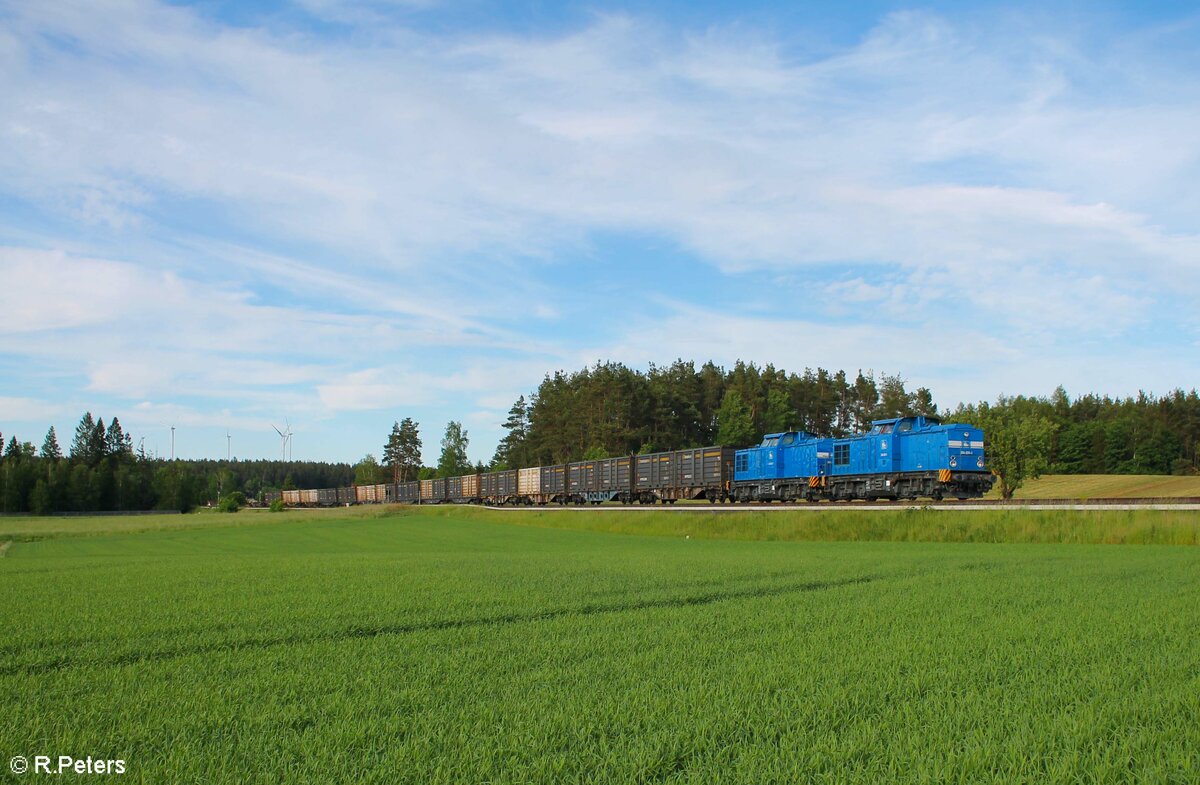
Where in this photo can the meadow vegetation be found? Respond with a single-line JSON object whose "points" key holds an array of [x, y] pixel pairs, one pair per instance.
{"points": [[432, 646]]}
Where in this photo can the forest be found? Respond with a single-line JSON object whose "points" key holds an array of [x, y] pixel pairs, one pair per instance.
{"points": [[101, 472], [611, 409]]}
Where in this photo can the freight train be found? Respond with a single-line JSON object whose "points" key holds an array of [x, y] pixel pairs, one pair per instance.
{"points": [[899, 458]]}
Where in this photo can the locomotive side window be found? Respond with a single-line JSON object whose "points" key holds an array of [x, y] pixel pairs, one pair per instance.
{"points": [[841, 455], [741, 463]]}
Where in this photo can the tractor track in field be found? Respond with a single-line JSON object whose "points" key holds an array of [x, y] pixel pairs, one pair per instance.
{"points": [[358, 633]]}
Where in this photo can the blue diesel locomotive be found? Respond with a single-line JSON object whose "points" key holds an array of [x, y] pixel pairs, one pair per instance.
{"points": [[901, 458]]}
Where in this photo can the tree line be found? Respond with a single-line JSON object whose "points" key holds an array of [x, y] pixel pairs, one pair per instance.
{"points": [[610, 409], [102, 472], [402, 456], [1091, 434]]}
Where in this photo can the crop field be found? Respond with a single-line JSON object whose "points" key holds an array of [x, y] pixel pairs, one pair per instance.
{"points": [[1106, 486], [454, 646]]}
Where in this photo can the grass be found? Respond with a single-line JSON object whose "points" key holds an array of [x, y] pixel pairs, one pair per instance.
{"points": [[1106, 486], [440, 646], [32, 527], [1100, 527], [1108, 527]]}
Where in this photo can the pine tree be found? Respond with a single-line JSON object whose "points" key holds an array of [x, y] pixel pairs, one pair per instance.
{"points": [[866, 401], [923, 403], [116, 442], [391, 452], [97, 442], [513, 450], [50, 448], [894, 400], [82, 444], [402, 453]]}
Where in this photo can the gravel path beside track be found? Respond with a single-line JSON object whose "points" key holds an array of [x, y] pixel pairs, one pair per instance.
{"points": [[1124, 504]]}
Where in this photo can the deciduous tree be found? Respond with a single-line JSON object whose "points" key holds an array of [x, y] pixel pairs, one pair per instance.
{"points": [[779, 416], [1017, 438], [735, 422], [453, 460], [367, 471]]}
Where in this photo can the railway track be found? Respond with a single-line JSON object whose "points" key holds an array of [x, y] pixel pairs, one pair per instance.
{"points": [[1190, 503]]}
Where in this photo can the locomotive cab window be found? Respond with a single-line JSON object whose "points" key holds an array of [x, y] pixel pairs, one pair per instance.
{"points": [[905, 425], [741, 463], [789, 438], [841, 455]]}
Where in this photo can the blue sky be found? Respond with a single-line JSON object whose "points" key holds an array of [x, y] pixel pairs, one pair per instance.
{"points": [[219, 215]]}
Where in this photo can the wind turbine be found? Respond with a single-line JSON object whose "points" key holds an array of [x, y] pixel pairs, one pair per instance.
{"points": [[289, 441], [283, 440]]}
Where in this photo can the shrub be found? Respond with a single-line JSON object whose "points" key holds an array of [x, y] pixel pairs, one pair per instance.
{"points": [[231, 502], [277, 506]]}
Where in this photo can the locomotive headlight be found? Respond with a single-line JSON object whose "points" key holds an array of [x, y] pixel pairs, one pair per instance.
{"points": [[953, 461], [979, 461]]}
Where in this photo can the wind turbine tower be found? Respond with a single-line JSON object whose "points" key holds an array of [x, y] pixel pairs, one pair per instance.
{"points": [[283, 440]]}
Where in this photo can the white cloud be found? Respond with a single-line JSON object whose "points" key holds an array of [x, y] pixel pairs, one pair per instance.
{"points": [[506, 143], [351, 224], [373, 389], [943, 353], [20, 409], [46, 291]]}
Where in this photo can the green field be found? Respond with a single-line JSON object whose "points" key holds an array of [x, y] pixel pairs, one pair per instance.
{"points": [[1106, 486], [480, 646]]}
